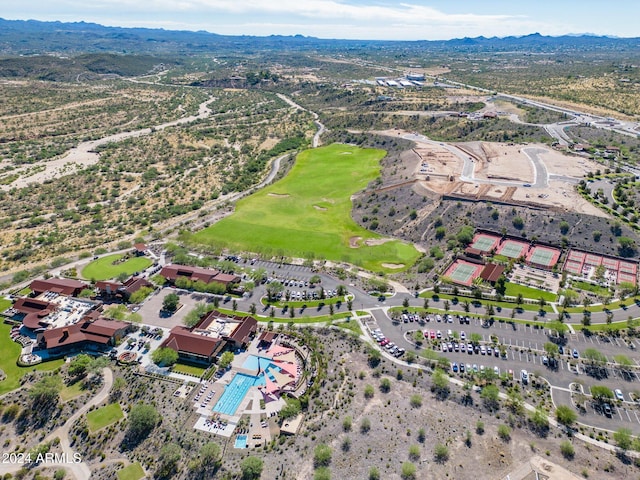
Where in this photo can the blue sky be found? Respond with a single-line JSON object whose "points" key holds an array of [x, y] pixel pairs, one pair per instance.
{"points": [[357, 19]]}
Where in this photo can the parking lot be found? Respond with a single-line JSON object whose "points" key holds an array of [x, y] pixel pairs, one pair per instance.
{"points": [[521, 347]]}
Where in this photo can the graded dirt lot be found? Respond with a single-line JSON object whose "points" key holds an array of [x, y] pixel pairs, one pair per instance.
{"points": [[501, 171]]}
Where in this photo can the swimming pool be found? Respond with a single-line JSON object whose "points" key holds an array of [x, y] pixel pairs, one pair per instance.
{"points": [[253, 362], [235, 392], [241, 441]]}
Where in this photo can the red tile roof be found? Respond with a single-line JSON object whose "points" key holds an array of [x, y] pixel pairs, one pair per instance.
{"points": [[101, 331], [65, 286], [136, 283], [140, 247], [171, 272], [491, 272], [33, 305], [181, 339]]}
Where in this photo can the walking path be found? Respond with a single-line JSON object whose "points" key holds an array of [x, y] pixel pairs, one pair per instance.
{"points": [[81, 470]]}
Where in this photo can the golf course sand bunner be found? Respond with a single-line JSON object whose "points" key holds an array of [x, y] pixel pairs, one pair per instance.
{"points": [[282, 219]]}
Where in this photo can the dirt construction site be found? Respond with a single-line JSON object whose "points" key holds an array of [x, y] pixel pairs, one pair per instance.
{"points": [[522, 174]]}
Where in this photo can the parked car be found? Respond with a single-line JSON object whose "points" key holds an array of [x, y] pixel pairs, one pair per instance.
{"points": [[575, 353], [454, 367], [618, 394], [524, 376], [606, 408]]}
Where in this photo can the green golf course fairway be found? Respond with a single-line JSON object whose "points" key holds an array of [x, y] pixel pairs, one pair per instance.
{"points": [[308, 214]]}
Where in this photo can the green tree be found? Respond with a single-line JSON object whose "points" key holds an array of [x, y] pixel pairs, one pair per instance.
{"points": [[290, 410], [251, 468], [440, 383], [225, 359], [164, 357], [539, 421], [440, 453], [566, 415], [490, 396], [322, 455], [192, 318], [139, 295], [414, 453], [168, 460], [385, 385], [601, 393], [567, 450], [209, 457], [273, 289], [623, 438], [79, 365], [518, 222], [141, 421], [504, 432], [45, 392], [551, 349], [346, 423], [170, 302], [408, 471], [365, 425], [374, 473], [368, 391], [322, 473]]}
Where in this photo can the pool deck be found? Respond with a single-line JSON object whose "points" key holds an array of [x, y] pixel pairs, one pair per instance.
{"points": [[260, 429]]}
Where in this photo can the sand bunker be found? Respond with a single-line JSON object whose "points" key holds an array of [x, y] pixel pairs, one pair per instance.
{"points": [[372, 242], [278, 195], [393, 265], [354, 242], [318, 207]]}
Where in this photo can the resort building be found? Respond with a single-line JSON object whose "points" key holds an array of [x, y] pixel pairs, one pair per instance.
{"points": [[62, 286], [210, 336], [93, 335], [206, 275]]}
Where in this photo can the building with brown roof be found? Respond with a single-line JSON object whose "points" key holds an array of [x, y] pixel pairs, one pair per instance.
{"points": [[210, 335], [139, 249], [206, 275], [193, 347], [35, 311], [491, 272], [86, 335], [63, 286], [124, 290]]}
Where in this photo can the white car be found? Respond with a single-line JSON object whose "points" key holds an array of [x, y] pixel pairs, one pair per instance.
{"points": [[618, 394]]}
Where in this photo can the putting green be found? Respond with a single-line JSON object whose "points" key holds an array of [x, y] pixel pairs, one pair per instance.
{"points": [[105, 269], [308, 214]]}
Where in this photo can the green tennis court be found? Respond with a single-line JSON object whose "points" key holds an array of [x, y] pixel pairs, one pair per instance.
{"points": [[544, 256], [484, 242], [463, 273], [512, 249]]}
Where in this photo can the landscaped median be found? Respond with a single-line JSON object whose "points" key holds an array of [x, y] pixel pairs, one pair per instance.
{"points": [[308, 214]]}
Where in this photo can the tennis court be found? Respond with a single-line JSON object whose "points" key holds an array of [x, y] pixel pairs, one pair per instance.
{"points": [[543, 256], [463, 273], [584, 263], [484, 242], [512, 249]]}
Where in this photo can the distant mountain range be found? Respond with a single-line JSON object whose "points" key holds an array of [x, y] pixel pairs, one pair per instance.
{"points": [[32, 37]]}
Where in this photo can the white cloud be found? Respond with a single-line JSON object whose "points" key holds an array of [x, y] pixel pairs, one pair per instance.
{"points": [[322, 18]]}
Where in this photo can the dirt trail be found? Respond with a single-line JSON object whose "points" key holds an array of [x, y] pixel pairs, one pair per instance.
{"points": [[85, 155]]}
